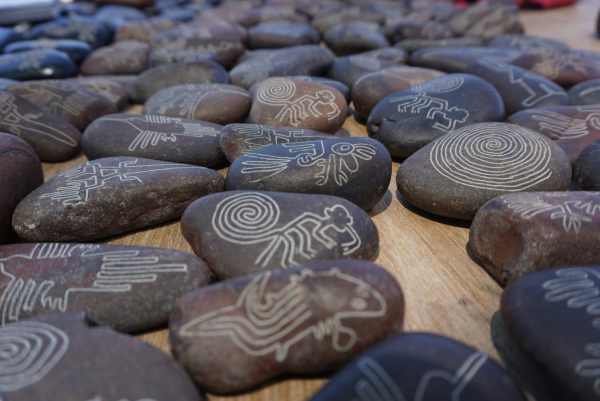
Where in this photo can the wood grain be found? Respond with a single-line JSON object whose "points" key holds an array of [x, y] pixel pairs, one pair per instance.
{"points": [[445, 291]]}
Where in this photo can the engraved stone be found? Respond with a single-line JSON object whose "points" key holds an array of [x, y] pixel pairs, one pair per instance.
{"points": [[75, 49], [154, 137], [458, 173], [421, 367], [113, 89], [241, 232], [131, 289], [36, 64], [357, 169], [520, 233], [216, 103], [125, 57], [318, 317], [563, 302], [276, 34], [355, 37], [369, 89], [53, 138], [586, 168], [288, 102], [340, 86], [585, 93], [350, 68], [407, 120], [573, 128], [20, 173], [42, 355], [111, 196], [163, 76], [238, 139]]}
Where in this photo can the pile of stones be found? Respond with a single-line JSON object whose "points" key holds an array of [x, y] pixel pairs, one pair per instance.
{"points": [[485, 124]]}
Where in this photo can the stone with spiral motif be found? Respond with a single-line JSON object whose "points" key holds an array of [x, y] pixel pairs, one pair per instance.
{"points": [[307, 319], [242, 232], [458, 173], [42, 355]]}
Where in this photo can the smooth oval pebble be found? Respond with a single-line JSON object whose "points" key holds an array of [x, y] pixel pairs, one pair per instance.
{"points": [[92, 31], [458, 59], [519, 233], [411, 45], [125, 57], [238, 139], [407, 28], [143, 30], [48, 351], [36, 64], [75, 49], [369, 89], [573, 128], [276, 34], [586, 167], [458, 173], [562, 302], [118, 15], [154, 137], [525, 42], [216, 103], [285, 102], [53, 138], [131, 289], [406, 121], [349, 69], [21, 171], [5, 83], [355, 37], [421, 367], [358, 302], [66, 100], [242, 232], [519, 88], [110, 88], [154, 79], [356, 169], [585, 93], [111, 196], [487, 20]]}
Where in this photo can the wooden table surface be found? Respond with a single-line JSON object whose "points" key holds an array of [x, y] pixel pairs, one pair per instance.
{"points": [[445, 291]]}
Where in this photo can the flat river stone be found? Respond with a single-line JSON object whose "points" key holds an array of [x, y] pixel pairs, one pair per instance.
{"points": [[421, 367], [586, 167], [217, 103], [66, 100], [238, 139], [75, 49], [110, 88], [355, 37], [407, 120], [563, 302], [459, 59], [53, 138], [369, 89], [87, 29], [520, 233], [349, 69], [154, 137], [21, 172], [36, 64], [131, 289], [241, 232], [356, 169], [163, 76], [458, 173], [573, 128], [285, 102], [585, 93], [276, 34], [111, 196], [48, 351], [359, 302], [125, 57]]}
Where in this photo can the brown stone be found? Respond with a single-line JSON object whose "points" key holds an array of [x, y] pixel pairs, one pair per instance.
{"points": [[355, 37], [124, 57], [275, 34]]}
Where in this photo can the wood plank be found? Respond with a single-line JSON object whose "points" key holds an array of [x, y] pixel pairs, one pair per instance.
{"points": [[445, 291]]}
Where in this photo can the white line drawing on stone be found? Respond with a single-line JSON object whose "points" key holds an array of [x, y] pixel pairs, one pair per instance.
{"points": [[562, 127], [257, 136], [281, 92], [253, 218], [378, 385], [342, 162], [21, 124], [536, 91], [446, 84], [578, 289], [154, 130], [589, 91], [445, 117], [28, 352], [118, 272], [550, 62], [262, 322], [89, 177], [71, 103], [572, 214], [494, 156]]}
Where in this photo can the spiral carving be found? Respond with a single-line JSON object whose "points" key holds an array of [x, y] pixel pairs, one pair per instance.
{"points": [[276, 91], [28, 352], [498, 157], [246, 218], [445, 84]]}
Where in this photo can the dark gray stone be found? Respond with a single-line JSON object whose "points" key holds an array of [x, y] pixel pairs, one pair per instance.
{"points": [[459, 59], [36, 64], [355, 37], [75, 49], [276, 34], [95, 33], [585, 93], [586, 168], [350, 68]]}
